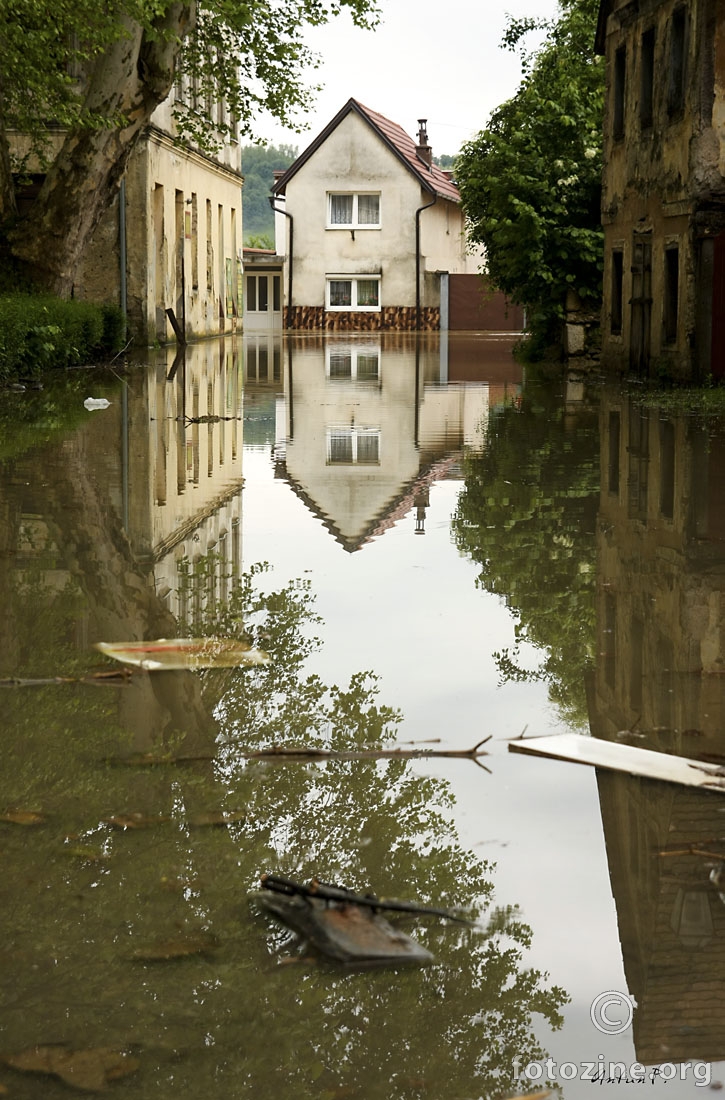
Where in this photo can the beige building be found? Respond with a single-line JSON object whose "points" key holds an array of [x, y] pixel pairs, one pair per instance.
{"points": [[663, 203], [173, 238], [373, 230]]}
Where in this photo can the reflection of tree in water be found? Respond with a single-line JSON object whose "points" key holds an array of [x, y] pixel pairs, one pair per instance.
{"points": [[454, 1027], [78, 897], [527, 516]]}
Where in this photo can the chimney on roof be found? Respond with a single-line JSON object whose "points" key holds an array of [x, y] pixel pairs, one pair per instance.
{"points": [[423, 149]]}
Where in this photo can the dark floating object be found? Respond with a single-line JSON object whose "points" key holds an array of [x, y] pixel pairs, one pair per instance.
{"points": [[345, 926]]}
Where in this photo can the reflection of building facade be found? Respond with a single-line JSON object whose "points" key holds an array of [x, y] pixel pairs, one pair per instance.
{"points": [[369, 426], [663, 198], [659, 684], [184, 477]]}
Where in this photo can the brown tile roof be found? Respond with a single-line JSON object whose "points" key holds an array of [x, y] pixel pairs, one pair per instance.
{"points": [[432, 178]]}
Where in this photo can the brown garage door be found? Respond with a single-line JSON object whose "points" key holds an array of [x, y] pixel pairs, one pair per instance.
{"points": [[474, 307]]}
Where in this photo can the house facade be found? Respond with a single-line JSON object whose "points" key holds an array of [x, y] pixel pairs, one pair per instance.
{"points": [[372, 228], [173, 238], [663, 203]]}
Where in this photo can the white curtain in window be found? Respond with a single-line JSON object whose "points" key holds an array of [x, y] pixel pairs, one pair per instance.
{"points": [[368, 209], [341, 209], [368, 292], [340, 292]]}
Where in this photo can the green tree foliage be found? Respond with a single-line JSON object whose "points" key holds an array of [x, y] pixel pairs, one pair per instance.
{"points": [[91, 76], [259, 163], [531, 181], [527, 517]]}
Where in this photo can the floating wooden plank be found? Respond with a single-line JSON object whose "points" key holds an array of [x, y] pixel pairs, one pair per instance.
{"points": [[179, 653], [624, 758]]}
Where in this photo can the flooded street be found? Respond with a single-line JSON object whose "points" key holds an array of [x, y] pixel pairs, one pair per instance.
{"points": [[434, 548]]}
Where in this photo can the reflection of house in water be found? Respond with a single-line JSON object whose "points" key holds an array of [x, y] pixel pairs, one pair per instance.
{"points": [[661, 563], [370, 423], [183, 496]]}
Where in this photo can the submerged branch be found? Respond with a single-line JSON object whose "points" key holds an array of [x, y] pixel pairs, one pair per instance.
{"points": [[326, 891]]}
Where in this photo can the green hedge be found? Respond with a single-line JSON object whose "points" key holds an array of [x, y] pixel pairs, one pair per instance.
{"points": [[38, 334]]}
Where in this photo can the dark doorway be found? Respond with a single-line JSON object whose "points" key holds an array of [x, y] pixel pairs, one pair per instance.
{"points": [[639, 349], [717, 347]]}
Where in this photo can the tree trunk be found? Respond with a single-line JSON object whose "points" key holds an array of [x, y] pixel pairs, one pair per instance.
{"points": [[129, 81]]}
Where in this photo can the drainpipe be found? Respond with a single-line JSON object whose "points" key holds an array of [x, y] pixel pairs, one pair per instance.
{"points": [[418, 213], [122, 253], [122, 257], [290, 256]]}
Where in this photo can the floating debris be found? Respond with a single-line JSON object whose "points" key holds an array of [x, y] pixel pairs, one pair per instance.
{"points": [[216, 818], [135, 820], [624, 758], [156, 759], [185, 653], [88, 1070], [22, 817], [345, 932], [328, 892], [101, 678], [95, 403], [302, 752], [178, 947]]}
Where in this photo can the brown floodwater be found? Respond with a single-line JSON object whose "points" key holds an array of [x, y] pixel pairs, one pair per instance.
{"points": [[434, 545]]}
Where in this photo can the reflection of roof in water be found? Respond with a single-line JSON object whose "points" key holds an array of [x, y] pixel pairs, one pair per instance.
{"points": [[399, 507]]}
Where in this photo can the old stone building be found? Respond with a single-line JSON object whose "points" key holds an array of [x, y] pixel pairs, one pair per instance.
{"points": [[663, 202], [172, 239]]}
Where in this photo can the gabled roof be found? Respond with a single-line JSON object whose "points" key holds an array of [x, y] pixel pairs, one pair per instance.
{"points": [[432, 178]]}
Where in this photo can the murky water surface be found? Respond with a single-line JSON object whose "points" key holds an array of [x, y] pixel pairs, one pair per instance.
{"points": [[434, 549]]}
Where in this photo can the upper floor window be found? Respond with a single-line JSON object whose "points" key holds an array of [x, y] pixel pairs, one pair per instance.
{"points": [[647, 77], [353, 210], [360, 292], [618, 89], [676, 67]]}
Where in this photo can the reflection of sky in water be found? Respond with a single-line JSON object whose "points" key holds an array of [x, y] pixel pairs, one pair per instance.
{"points": [[407, 608]]}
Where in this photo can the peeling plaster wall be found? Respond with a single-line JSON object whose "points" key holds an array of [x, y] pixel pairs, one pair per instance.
{"points": [[665, 182]]}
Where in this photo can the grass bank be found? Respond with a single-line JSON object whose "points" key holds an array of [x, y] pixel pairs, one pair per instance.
{"points": [[39, 334]]}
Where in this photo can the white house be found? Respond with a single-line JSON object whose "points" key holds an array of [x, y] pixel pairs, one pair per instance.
{"points": [[373, 229]]}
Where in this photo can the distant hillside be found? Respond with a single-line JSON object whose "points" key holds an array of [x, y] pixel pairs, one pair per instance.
{"points": [[259, 163]]}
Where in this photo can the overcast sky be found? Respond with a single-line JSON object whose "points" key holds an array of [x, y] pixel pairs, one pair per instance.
{"points": [[440, 61]]}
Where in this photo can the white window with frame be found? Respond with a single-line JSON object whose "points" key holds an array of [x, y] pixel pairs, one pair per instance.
{"points": [[353, 362], [353, 210], [358, 292], [353, 446]]}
